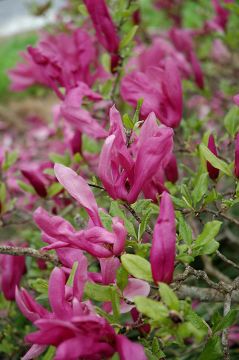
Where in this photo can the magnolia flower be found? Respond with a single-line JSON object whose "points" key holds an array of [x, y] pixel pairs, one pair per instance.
{"points": [[36, 179], [96, 240], [104, 27], [236, 166], [212, 171], [160, 89], [162, 254], [81, 119], [72, 326], [58, 61], [183, 41], [126, 171]]}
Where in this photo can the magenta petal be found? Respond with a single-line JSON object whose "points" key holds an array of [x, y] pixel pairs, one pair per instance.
{"points": [[162, 254], [29, 307], [212, 171], [136, 287], [126, 348], [57, 300], [108, 269], [79, 190]]}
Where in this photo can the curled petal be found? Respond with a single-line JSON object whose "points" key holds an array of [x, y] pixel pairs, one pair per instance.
{"points": [[126, 348]]}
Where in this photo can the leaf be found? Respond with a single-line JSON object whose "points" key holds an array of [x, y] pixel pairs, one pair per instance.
{"points": [[231, 121], [197, 321], [106, 220], [153, 309], [168, 297], [214, 160], [128, 37], [60, 159], [49, 355], [137, 111], [137, 266], [212, 350], [39, 285], [210, 231], [144, 223], [226, 321], [184, 229], [115, 301], [9, 160], [128, 123], [54, 189], [26, 187], [3, 193], [97, 292], [121, 278], [70, 280], [200, 188]]}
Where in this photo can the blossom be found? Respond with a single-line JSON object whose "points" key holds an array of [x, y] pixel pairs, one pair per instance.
{"points": [[162, 254], [72, 326], [161, 92], [236, 166], [104, 27], [212, 171], [124, 176], [59, 60], [81, 119], [96, 240], [36, 180], [182, 39], [12, 269]]}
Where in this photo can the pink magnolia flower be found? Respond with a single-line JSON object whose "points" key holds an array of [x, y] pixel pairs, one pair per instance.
{"points": [[124, 176], [182, 39], [236, 166], [36, 180], [212, 171], [160, 89], [12, 269], [104, 27], [163, 251], [59, 60], [72, 327], [96, 240], [81, 119], [220, 20]]}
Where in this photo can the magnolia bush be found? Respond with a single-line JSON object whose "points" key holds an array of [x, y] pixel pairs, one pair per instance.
{"points": [[119, 214]]}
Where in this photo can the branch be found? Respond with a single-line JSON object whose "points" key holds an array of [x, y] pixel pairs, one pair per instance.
{"points": [[226, 260], [204, 294], [135, 215], [227, 306], [21, 251]]}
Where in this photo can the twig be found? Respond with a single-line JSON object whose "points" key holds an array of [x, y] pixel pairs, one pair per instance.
{"points": [[227, 307], [204, 294], [226, 260], [220, 213], [21, 251], [135, 215], [211, 270]]}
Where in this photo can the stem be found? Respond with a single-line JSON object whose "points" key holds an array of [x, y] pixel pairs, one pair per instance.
{"points": [[227, 306], [21, 251]]}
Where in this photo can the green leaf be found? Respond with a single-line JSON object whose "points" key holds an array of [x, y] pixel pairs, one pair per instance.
{"points": [[197, 321], [209, 248], [128, 123], [105, 60], [54, 189], [214, 160], [3, 193], [168, 297], [70, 280], [137, 111], [9, 160], [60, 159], [156, 348], [40, 285], [200, 188], [26, 187], [98, 292], [184, 229], [226, 321], [49, 355], [128, 37], [210, 231], [121, 278], [231, 121], [212, 350], [144, 223], [153, 309], [115, 301], [106, 220], [137, 266]]}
